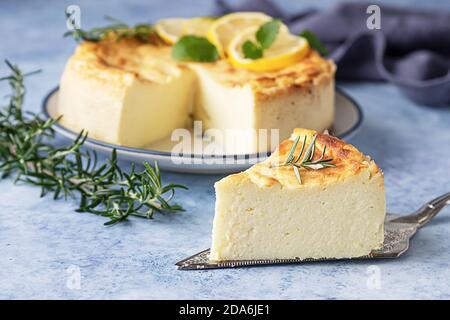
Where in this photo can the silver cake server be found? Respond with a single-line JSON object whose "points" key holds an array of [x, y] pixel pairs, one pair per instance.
{"points": [[397, 232]]}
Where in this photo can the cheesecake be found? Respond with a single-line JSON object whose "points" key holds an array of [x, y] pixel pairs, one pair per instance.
{"points": [[132, 93], [332, 207]]}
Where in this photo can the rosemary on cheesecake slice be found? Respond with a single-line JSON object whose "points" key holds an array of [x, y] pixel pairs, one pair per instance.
{"points": [[103, 189], [307, 161]]}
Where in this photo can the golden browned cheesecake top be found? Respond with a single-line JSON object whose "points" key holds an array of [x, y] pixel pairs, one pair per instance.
{"points": [[310, 71], [347, 160], [154, 63]]}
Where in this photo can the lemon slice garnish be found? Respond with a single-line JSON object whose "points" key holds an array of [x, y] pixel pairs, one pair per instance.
{"points": [[287, 49], [170, 30], [224, 29], [197, 26]]}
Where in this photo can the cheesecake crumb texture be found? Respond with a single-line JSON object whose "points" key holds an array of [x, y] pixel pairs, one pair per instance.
{"points": [[338, 212]]}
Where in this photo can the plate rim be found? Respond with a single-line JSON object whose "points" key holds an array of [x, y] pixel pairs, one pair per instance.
{"points": [[44, 110]]}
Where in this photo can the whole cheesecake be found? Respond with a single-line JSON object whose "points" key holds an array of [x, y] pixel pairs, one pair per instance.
{"points": [[132, 93], [269, 211]]}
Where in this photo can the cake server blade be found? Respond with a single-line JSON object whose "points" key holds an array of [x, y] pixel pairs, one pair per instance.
{"points": [[398, 230]]}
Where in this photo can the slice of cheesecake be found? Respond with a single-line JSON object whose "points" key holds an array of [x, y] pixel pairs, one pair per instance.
{"points": [[332, 210], [133, 94]]}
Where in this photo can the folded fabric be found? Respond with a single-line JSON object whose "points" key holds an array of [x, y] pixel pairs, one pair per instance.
{"points": [[411, 49]]}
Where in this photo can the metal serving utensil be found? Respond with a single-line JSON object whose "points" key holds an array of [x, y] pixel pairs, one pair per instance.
{"points": [[398, 230]]}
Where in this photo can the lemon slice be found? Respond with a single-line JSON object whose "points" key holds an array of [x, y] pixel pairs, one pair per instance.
{"points": [[224, 29], [170, 30], [197, 26], [287, 49]]}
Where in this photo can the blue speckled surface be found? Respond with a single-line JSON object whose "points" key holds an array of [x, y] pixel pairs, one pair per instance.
{"points": [[42, 241]]}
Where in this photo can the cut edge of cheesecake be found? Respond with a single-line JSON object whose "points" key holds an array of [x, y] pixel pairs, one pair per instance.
{"points": [[265, 213], [108, 88]]}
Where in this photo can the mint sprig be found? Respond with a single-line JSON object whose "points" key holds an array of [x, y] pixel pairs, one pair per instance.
{"points": [[314, 42], [267, 33], [252, 50], [194, 48], [265, 37]]}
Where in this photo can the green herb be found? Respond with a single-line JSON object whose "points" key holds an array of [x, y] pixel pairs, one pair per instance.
{"points": [[265, 37], [307, 162], [267, 33], [314, 42], [118, 29], [194, 48], [252, 50], [103, 189]]}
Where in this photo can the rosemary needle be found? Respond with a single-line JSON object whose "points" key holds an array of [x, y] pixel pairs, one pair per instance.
{"points": [[307, 162], [103, 189]]}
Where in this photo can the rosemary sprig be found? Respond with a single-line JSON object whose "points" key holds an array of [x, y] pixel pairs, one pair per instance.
{"points": [[119, 30], [307, 162], [103, 189]]}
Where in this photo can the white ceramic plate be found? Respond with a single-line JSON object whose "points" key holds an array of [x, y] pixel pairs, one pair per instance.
{"points": [[347, 120]]}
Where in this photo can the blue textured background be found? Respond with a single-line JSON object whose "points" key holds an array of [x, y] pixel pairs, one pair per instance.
{"points": [[40, 239]]}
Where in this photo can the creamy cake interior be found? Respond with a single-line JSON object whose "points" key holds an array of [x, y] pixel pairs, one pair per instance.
{"points": [[336, 212]]}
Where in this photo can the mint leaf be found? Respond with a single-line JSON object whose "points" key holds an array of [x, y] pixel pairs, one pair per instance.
{"points": [[267, 33], [252, 50], [314, 42], [265, 36], [194, 48]]}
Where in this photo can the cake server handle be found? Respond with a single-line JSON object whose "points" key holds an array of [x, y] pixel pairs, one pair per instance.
{"points": [[427, 211]]}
